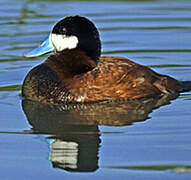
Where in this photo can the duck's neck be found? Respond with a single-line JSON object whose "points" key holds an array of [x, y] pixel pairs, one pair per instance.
{"points": [[71, 62]]}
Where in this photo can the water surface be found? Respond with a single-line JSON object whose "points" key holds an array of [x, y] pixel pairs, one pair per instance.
{"points": [[135, 140]]}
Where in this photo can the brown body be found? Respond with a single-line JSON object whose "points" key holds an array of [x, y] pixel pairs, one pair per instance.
{"points": [[73, 77]]}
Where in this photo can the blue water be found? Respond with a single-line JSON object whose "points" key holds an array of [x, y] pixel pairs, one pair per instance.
{"points": [[131, 141]]}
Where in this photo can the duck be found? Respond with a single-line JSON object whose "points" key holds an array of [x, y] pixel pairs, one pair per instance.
{"points": [[77, 73]]}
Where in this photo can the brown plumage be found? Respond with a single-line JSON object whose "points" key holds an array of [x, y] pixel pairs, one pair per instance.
{"points": [[76, 73], [74, 77]]}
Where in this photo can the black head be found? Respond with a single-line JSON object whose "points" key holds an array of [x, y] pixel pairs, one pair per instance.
{"points": [[77, 32]]}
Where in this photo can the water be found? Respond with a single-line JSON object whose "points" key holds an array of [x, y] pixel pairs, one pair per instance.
{"points": [[107, 141]]}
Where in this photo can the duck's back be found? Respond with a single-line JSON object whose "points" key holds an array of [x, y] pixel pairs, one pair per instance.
{"points": [[113, 78], [118, 78]]}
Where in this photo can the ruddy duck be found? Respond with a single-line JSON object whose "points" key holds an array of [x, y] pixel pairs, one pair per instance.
{"points": [[77, 73]]}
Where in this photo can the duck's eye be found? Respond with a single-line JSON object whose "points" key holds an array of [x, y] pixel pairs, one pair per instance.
{"points": [[62, 30]]}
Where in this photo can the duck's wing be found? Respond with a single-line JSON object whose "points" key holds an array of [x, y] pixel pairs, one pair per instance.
{"points": [[117, 78]]}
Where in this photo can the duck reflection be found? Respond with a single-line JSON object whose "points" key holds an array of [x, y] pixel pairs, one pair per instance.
{"points": [[74, 130]]}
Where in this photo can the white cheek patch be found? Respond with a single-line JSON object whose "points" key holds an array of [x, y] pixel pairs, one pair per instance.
{"points": [[62, 42]]}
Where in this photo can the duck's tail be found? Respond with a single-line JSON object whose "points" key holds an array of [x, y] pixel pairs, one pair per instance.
{"points": [[185, 86]]}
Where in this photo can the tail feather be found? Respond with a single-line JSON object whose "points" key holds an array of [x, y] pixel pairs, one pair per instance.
{"points": [[185, 86]]}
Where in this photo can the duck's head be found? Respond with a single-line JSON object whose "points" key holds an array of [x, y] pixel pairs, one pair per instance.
{"points": [[70, 33]]}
